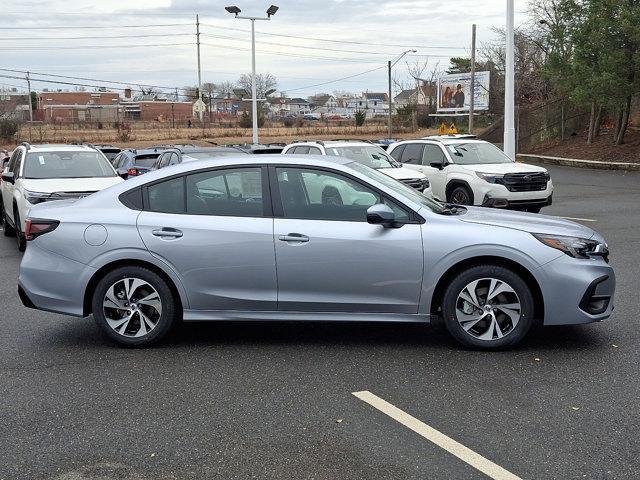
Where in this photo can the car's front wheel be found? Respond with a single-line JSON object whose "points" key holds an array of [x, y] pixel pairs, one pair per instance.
{"points": [[134, 306], [488, 307], [461, 196]]}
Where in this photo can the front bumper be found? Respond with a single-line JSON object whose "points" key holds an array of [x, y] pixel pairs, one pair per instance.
{"points": [[577, 291], [497, 202]]}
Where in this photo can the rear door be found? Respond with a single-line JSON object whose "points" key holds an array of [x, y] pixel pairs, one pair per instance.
{"points": [[329, 258], [215, 228]]}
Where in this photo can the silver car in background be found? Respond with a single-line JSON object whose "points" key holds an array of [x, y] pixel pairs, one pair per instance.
{"points": [[260, 239]]}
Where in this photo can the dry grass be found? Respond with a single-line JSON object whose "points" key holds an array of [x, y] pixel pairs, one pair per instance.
{"points": [[142, 135]]}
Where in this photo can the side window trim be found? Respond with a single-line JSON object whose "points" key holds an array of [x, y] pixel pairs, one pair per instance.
{"points": [[278, 209]]}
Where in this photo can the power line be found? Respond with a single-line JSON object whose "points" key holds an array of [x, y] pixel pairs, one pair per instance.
{"points": [[101, 37], [91, 47], [336, 80], [71, 27], [332, 40]]}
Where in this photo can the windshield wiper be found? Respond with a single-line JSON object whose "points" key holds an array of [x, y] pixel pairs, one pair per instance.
{"points": [[452, 209]]}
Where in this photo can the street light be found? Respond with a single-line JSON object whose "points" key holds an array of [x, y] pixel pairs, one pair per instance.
{"points": [[509, 147], [389, 65], [254, 100]]}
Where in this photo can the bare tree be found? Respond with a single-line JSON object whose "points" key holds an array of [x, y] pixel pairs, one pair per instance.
{"points": [[264, 83]]}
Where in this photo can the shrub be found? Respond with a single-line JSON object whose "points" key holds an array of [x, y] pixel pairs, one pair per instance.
{"points": [[8, 129], [289, 122], [360, 117], [124, 132]]}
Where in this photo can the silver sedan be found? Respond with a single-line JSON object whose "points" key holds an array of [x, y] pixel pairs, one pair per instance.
{"points": [[302, 238]]}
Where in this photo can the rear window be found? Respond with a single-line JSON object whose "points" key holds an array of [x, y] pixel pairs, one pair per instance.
{"points": [[146, 160], [65, 164]]}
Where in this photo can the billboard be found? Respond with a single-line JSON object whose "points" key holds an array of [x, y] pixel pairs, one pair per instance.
{"points": [[454, 91]]}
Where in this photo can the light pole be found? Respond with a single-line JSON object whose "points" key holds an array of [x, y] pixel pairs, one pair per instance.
{"points": [[509, 88], [389, 66], [254, 100]]}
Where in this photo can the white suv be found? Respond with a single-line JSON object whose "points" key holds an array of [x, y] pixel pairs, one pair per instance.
{"points": [[468, 171], [366, 153], [42, 173]]}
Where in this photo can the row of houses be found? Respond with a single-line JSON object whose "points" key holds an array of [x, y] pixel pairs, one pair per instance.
{"points": [[104, 106]]}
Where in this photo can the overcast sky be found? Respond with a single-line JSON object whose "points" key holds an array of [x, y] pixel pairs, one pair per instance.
{"points": [[384, 29]]}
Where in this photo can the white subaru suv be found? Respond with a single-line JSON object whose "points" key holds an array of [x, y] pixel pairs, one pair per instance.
{"points": [[366, 153], [42, 173], [467, 171]]}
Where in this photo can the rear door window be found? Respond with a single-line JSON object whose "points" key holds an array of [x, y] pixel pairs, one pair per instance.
{"points": [[397, 152], [167, 196], [412, 154]]}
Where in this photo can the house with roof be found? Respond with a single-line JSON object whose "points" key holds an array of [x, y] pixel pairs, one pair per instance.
{"points": [[425, 95], [298, 106], [372, 103], [323, 104]]}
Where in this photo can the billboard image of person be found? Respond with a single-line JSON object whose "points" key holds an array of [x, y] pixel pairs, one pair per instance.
{"points": [[454, 92]]}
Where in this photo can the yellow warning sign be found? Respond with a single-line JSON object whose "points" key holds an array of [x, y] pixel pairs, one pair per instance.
{"points": [[452, 129]]}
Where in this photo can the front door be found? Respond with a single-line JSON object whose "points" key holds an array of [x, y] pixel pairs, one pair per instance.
{"points": [[215, 229], [8, 188], [330, 259]]}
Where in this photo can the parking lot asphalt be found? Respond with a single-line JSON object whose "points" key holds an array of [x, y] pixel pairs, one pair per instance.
{"points": [[274, 400]]}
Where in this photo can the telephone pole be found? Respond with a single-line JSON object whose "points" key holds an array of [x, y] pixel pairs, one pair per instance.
{"points": [[473, 76], [200, 113], [509, 88], [30, 105]]}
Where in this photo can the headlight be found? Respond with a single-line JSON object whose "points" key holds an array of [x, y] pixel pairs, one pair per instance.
{"points": [[573, 246], [36, 197], [490, 177]]}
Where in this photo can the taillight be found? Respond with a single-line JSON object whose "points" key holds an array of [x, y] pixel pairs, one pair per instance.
{"points": [[133, 172], [34, 227]]}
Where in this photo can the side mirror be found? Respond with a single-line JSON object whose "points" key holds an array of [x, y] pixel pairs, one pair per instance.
{"points": [[438, 165], [8, 177], [381, 214]]}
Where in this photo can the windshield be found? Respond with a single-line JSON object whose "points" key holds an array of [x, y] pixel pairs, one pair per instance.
{"points": [[477, 153], [368, 155], [399, 187], [67, 165], [146, 160], [203, 155]]}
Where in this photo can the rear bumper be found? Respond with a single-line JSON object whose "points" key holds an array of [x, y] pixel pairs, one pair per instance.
{"points": [[516, 204], [51, 282]]}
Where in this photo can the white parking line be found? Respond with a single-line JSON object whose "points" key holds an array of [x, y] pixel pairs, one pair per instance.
{"points": [[465, 454], [580, 219]]}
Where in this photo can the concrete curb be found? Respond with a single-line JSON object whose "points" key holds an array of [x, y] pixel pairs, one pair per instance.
{"points": [[572, 162]]}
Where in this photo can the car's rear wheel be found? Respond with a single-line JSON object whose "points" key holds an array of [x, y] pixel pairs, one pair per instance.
{"points": [[21, 240], [461, 196], [488, 307], [134, 306]]}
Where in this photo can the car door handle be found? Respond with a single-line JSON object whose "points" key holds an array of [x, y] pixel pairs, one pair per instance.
{"points": [[294, 237], [167, 233]]}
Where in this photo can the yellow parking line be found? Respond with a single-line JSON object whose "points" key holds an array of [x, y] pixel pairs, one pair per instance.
{"points": [[465, 454]]}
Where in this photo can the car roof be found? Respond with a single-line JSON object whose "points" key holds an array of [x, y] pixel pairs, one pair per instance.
{"points": [[57, 147], [333, 143], [443, 141]]}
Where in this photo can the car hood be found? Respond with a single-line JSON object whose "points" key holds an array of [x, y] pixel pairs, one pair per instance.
{"points": [[527, 222], [502, 168], [51, 185], [402, 173]]}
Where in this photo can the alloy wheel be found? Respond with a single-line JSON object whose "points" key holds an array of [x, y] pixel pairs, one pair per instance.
{"points": [[132, 307], [460, 198], [488, 309]]}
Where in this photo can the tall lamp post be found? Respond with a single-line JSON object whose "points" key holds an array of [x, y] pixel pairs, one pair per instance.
{"points": [[389, 66], [254, 100], [509, 88]]}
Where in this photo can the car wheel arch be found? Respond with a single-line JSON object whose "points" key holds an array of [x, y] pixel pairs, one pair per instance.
{"points": [[524, 272], [105, 269], [455, 183]]}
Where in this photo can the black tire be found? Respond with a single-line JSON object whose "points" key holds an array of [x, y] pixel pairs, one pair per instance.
{"points": [[170, 311], [484, 273], [461, 196], [21, 240], [8, 230]]}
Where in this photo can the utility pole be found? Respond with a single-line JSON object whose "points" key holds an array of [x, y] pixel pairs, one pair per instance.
{"points": [[390, 102], [509, 88], [473, 76], [200, 113], [254, 97], [30, 105]]}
